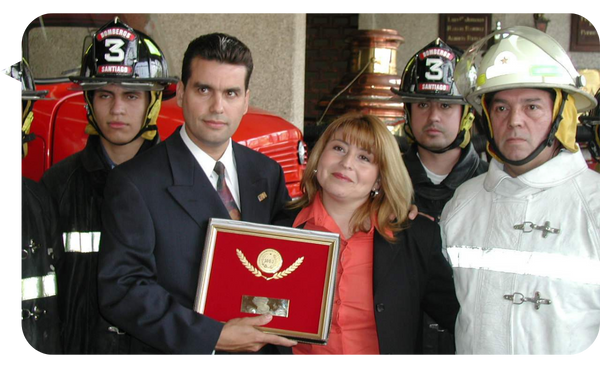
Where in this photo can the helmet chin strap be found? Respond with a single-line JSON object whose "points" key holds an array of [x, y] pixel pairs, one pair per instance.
{"points": [[92, 121], [26, 135], [453, 145], [147, 128], [548, 142]]}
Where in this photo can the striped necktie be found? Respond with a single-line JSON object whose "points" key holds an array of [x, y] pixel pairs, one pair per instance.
{"points": [[225, 194]]}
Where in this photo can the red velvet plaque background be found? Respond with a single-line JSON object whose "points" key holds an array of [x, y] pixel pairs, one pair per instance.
{"points": [[304, 287]]}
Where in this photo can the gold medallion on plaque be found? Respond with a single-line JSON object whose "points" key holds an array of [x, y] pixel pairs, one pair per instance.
{"points": [[269, 261]]}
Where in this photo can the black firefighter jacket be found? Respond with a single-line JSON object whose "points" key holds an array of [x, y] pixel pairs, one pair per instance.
{"points": [[76, 185], [40, 240], [431, 198]]}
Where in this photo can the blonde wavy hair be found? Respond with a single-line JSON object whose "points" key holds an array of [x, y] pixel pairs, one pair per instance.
{"points": [[392, 204]]}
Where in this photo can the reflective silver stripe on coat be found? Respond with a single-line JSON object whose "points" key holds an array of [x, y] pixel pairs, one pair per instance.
{"points": [[558, 266], [38, 287], [82, 242]]}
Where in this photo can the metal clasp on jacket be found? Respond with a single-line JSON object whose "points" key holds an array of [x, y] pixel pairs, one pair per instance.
{"points": [[529, 226], [436, 327], [31, 248], [35, 313], [115, 330], [518, 298]]}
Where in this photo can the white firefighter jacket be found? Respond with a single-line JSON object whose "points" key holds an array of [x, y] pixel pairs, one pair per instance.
{"points": [[526, 258]]}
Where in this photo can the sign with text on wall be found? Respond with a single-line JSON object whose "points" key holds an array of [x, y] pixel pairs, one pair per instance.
{"points": [[462, 30], [584, 36]]}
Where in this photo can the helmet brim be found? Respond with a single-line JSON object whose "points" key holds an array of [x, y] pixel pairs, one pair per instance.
{"points": [[138, 84], [420, 97], [34, 95]]}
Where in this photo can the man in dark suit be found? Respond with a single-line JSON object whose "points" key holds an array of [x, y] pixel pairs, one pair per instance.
{"points": [[157, 208]]}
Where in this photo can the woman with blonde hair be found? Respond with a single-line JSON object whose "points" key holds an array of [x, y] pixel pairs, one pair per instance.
{"points": [[390, 268]]}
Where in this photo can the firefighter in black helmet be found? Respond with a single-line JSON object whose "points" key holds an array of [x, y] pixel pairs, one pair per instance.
{"points": [[438, 124], [592, 121], [39, 313], [122, 56], [441, 156], [124, 78]]}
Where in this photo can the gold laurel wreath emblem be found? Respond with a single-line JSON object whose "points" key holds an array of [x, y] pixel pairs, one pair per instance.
{"points": [[276, 276]]}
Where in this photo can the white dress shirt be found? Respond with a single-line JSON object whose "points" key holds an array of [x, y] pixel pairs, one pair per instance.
{"points": [[207, 164]]}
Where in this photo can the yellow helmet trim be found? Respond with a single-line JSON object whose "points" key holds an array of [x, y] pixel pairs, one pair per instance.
{"points": [[567, 127], [151, 115]]}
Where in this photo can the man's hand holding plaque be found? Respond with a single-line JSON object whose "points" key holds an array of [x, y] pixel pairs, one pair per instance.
{"points": [[241, 335]]}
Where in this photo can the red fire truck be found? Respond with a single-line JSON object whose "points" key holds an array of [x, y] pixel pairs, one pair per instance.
{"points": [[60, 118]]}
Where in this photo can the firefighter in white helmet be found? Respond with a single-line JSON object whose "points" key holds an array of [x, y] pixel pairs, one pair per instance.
{"points": [[524, 239], [124, 78]]}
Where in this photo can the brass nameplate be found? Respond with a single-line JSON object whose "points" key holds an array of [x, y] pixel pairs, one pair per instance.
{"points": [[264, 305]]}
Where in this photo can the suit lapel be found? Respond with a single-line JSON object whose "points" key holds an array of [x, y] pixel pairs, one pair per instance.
{"points": [[251, 183], [384, 255], [191, 188]]}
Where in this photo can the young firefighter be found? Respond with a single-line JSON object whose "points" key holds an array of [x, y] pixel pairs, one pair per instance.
{"points": [[123, 76]]}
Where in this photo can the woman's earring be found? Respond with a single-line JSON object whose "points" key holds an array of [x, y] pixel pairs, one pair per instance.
{"points": [[374, 193], [315, 171]]}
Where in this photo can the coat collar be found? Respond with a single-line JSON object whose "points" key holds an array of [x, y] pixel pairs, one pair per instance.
{"points": [[316, 214], [467, 167], [93, 156], [194, 192], [554, 172], [95, 161], [191, 188], [252, 182], [384, 252]]}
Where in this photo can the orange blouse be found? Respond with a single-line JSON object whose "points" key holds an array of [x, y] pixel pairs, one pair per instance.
{"points": [[353, 328]]}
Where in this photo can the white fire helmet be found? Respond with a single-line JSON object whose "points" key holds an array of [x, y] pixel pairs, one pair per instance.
{"points": [[519, 57]]}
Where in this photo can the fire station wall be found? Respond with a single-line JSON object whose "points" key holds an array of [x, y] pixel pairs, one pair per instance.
{"points": [[277, 42], [420, 29]]}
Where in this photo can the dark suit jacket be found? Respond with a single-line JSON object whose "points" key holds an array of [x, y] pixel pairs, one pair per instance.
{"points": [[155, 218], [409, 276]]}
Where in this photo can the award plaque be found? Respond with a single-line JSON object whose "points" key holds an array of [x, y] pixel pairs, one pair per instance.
{"points": [[250, 269]]}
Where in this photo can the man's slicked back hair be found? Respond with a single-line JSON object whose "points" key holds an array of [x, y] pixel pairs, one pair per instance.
{"points": [[217, 47]]}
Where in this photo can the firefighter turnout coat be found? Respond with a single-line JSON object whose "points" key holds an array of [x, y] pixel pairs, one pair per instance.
{"points": [[40, 239], [526, 258], [76, 185]]}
